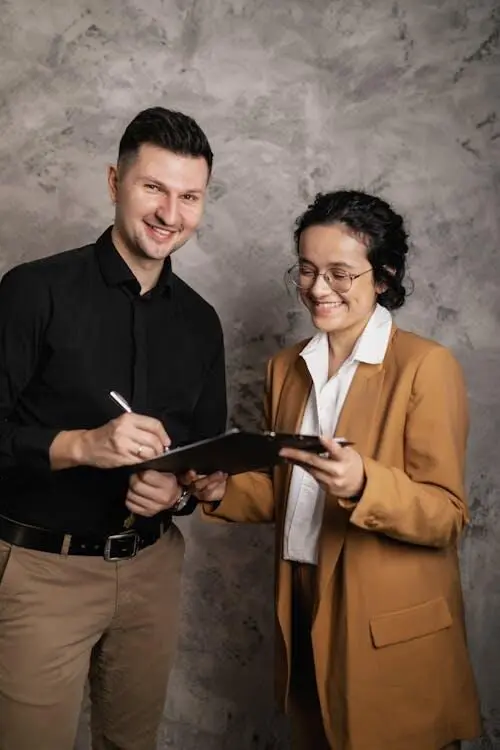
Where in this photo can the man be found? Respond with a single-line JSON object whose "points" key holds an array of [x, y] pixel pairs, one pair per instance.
{"points": [[80, 593]]}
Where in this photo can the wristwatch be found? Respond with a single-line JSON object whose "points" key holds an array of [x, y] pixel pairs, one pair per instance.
{"points": [[181, 501]]}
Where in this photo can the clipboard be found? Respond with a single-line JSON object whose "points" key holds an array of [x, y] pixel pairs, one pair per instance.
{"points": [[233, 452]]}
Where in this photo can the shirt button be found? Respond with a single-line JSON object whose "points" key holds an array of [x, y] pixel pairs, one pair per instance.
{"points": [[372, 522]]}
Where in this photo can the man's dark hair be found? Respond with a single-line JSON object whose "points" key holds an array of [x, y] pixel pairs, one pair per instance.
{"points": [[167, 129], [373, 222]]}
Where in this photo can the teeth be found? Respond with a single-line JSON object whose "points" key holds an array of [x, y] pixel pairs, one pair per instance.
{"points": [[161, 230]]}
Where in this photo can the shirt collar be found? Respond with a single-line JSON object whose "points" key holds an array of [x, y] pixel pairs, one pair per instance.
{"points": [[370, 347], [117, 273]]}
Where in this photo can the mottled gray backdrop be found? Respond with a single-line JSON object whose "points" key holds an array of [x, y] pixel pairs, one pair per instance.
{"points": [[400, 97]]}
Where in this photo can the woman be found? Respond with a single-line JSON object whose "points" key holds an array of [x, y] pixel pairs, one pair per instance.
{"points": [[371, 649]]}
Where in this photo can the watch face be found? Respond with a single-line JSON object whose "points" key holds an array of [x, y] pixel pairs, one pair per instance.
{"points": [[182, 501]]}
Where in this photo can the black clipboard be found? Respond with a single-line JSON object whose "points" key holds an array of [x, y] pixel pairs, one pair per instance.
{"points": [[233, 452]]}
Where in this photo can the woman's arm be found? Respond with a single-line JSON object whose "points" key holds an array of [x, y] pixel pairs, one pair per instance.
{"points": [[424, 504], [245, 497]]}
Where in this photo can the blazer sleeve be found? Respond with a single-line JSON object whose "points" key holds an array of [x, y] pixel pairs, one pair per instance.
{"points": [[424, 504], [249, 497]]}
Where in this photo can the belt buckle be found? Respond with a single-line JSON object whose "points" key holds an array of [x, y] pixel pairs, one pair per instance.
{"points": [[111, 555]]}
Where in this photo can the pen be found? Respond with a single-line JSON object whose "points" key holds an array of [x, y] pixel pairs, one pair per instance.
{"points": [[123, 404]]}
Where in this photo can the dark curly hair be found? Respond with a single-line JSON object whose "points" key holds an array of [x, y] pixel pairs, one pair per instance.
{"points": [[167, 129], [377, 225]]}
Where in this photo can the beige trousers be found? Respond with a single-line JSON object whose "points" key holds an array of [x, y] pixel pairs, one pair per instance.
{"points": [[63, 618]]}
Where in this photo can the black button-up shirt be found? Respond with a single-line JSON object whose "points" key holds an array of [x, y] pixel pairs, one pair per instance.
{"points": [[73, 327]]}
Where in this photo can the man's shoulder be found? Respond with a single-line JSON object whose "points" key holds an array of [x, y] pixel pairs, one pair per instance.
{"points": [[50, 266]]}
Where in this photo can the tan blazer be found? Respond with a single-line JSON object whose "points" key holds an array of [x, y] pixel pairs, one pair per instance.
{"points": [[389, 644]]}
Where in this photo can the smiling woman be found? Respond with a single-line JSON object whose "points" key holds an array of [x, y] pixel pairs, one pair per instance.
{"points": [[371, 647]]}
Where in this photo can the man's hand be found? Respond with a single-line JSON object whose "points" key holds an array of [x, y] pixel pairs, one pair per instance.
{"points": [[151, 492], [206, 489], [121, 442], [341, 473]]}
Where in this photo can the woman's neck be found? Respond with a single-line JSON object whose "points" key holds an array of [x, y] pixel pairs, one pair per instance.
{"points": [[342, 343]]}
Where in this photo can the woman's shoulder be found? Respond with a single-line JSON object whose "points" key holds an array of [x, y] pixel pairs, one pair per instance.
{"points": [[408, 348]]}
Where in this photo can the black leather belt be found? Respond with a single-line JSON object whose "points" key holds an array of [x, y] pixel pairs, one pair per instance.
{"points": [[121, 546]]}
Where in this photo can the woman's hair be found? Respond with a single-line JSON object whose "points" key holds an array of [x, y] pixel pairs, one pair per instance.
{"points": [[373, 222]]}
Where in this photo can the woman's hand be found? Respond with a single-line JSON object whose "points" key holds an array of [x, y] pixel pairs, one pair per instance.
{"points": [[206, 489], [340, 473]]}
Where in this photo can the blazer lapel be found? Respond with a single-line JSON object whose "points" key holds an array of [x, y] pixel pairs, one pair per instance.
{"points": [[293, 398], [357, 418], [357, 423], [291, 404]]}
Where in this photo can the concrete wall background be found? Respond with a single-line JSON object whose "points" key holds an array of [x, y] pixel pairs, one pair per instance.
{"points": [[400, 97]]}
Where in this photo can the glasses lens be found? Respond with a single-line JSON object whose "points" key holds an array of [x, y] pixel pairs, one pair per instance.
{"points": [[339, 282], [305, 278], [296, 278]]}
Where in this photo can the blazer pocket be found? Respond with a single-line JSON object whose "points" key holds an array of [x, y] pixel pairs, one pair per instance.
{"points": [[413, 622]]}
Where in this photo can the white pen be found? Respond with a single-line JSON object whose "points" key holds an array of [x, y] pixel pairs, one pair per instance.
{"points": [[118, 399]]}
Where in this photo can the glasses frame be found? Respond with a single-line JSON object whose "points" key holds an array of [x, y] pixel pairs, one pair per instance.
{"points": [[325, 274]]}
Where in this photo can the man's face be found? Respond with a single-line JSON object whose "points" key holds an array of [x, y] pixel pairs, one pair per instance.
{"points": [[159, 198]]}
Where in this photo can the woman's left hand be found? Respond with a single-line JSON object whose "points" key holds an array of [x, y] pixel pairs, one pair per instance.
{"points": [[341, 473]]}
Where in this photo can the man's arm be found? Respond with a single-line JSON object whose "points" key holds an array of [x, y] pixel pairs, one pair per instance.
{"points": [[24, 315], [25, 311]]}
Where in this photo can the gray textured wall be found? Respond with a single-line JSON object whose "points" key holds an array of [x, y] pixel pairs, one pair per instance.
{"points": [[400, 97]]}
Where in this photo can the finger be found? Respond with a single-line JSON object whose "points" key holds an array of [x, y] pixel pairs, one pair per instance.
{"points": [[304, 458], [188, 478], [150, 493], [335, 450], [150, 425], [204, 483], [163, 480], [142, 450], [146, 502], [151, 445], [212, 494], [218, 487]]}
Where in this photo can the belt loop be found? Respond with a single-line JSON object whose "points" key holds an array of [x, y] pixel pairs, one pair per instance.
{"points": [[66, 544]]}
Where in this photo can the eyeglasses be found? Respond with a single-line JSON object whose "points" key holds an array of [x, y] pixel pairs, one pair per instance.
{"points": [[304, 277]]}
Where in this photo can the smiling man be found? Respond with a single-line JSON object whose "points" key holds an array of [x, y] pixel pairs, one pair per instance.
{"points": [[90, 559]]}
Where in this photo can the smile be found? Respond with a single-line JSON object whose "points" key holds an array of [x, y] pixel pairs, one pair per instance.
{"points": [[326, 305], [160, 231]]}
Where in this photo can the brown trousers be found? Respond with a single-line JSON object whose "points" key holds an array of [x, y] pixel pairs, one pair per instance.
{"points": [[63, 618], [305, 714]]}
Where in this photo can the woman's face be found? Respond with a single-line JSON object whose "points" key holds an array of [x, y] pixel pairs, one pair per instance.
{"points": [[332, 248]]}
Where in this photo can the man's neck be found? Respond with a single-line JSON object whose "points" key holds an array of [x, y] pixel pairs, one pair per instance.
{"points": [[146, 271]]}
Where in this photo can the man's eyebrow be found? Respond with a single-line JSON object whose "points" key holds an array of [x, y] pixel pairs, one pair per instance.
{"points": [[156, 181]]}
